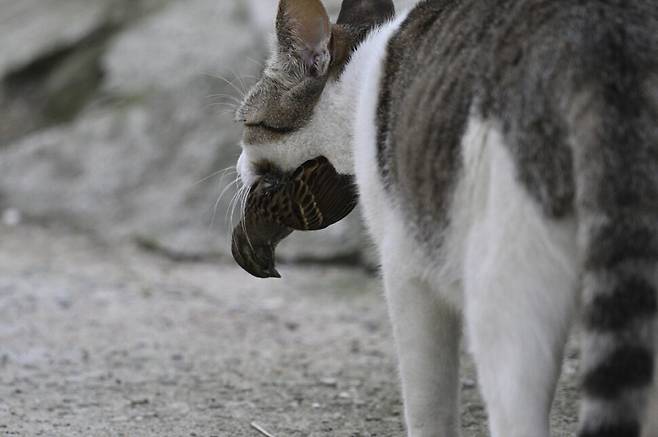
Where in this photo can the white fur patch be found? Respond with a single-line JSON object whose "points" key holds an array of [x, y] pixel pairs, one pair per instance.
{"points": [[520, 278], [366, 80], [330, 132], [510, 270]]}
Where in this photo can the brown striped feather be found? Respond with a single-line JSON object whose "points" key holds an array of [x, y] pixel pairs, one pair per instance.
{"points": [[312, 197]]}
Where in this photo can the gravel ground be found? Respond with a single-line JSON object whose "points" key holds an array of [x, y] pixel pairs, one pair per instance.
{"points": [[100, 340]]}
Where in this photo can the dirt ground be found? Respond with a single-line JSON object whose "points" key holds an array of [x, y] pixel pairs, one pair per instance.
{"points": [[99, 340]]}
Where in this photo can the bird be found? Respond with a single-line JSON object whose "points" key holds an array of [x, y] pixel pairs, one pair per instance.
{"points": [[312, 197]]}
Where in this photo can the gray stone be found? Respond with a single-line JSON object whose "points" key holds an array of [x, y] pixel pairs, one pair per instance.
{"points": [[184, 41], [50, 58], [135, 164], [125, 171], [30, 28], [140, 161]]}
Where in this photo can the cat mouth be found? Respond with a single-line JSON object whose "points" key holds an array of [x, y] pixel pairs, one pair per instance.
{"points": [[310, 198]]}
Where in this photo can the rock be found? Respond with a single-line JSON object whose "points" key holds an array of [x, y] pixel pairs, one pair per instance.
{"points": [[181, 43], [136, 165], [29, 29], [32, 29], [129, 171], [11, 217], [50, 59], [145, 122], [468, 383], [34, 41]]}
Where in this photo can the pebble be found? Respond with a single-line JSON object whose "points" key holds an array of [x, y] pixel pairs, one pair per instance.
{"points": [[468, 383], [329, 382], [12, 217]]}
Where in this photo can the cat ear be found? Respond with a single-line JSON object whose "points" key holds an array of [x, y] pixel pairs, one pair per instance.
{"points": [[355, 21], [304, 31], [365, 13]]}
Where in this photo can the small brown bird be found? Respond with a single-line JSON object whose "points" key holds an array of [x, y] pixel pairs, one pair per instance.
{"points": [[310, 198]]}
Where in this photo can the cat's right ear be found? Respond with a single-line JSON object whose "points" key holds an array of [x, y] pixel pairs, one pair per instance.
{"points": [[365, 13], [303, 31], [356, 19]]}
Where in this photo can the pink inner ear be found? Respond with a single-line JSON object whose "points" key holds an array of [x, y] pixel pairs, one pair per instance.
{"points": [[315, 30], [309, 22], [316, 59]]}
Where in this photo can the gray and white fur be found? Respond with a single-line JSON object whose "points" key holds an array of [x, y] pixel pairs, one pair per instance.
{"points": [[506, 154]]}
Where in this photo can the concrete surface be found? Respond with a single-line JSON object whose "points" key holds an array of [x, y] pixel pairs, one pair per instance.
{"points": [[103, 340]]}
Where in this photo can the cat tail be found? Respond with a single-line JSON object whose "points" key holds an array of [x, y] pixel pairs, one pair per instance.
{"points": [[615, 150]]}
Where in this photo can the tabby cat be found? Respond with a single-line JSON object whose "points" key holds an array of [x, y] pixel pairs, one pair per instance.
{"points": [[506, 157]]}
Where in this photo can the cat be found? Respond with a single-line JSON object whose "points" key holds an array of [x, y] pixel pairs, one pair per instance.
{"points": [[506, 156]]}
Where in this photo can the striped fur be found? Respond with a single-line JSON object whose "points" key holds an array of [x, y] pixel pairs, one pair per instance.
{"points": [[573, 89], [506, 153], [616, 168]]}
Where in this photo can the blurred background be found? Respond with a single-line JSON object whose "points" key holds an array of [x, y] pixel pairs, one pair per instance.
{"points": [[116, 118], [121, 310]]}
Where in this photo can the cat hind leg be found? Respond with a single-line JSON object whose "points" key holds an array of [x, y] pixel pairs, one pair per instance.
{"points": [[520, 281], [427, 333]]}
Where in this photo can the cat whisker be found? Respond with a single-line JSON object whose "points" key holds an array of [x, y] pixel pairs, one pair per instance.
{"points": [[219, 199], [243, 210], [260, 63], [242, 83], [231, 103], [223, 172], [228, 107], [230, 212], [227, 96], [232, 205], [228, 82], [228, 110]]}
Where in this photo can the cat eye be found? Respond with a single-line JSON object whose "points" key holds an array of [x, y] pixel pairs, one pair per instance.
{"points": [[267, 127]]}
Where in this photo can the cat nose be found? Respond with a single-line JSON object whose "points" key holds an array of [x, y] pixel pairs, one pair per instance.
{"points": [[251, 119]]}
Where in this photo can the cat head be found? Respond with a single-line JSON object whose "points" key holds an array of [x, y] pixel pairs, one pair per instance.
{"points": [[287, 116]]}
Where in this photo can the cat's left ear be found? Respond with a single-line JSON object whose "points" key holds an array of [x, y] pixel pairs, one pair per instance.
{"points": [[304, 31]]}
